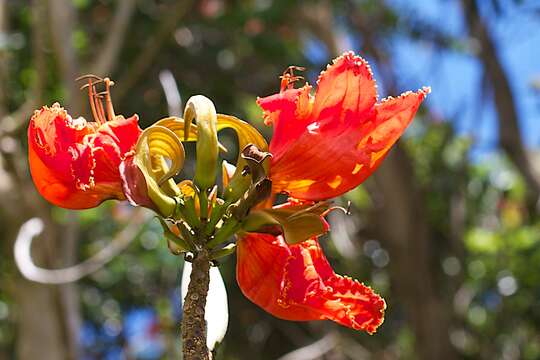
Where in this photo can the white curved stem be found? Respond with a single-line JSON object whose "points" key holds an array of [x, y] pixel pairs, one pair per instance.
{"points": [[34, 227]]}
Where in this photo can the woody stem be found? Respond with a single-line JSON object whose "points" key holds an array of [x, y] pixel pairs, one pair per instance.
{"points": [[193, 323]]}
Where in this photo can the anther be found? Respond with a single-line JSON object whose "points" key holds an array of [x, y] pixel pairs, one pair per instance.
{"points": [[288, 78], [88, 76], [346, 211]]}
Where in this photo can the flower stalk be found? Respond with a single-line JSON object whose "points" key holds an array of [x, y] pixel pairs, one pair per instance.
{"points": [[193, 323], [324, 145]]}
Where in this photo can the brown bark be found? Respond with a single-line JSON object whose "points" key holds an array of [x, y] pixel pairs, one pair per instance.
{"points": [[151, 49], [193, 323], [62, 15], [41, 318], [402, 225], [415, 264], [40, 321], [107, 58]]}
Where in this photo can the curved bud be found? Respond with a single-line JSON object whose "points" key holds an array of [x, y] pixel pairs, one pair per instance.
{"points": [[164, 144], [255, 160], [155, 149], [202, 109], [227, 172], [178, 126], [247, 134]]}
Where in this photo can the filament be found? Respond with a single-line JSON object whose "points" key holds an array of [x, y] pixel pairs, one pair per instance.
{"points": [[100, 112]]}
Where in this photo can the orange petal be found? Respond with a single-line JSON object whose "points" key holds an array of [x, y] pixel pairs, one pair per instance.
{"points": [[323, 146], [325, 163], [296, 282], [393, 117], [346, 92], [289, 113], [73, 163]]}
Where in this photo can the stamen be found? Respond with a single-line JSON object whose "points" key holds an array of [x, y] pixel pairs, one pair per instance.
{"points": [[91, 92], [88, 76], [108, 100], [100, 109], [346, 210], [291, 69], [288, 78], [101, 114]]}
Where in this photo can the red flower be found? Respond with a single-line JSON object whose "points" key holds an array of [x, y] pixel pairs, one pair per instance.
{"points": [[327, 144], [74, 163], [323, 146], [296, 282]]}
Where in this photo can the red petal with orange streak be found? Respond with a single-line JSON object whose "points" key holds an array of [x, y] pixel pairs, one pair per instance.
{"points": [[288, 111], [63, 193], [296, 283], [344, 136], [74, 164]]}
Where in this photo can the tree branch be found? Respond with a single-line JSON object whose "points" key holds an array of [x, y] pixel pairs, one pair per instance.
{"points": [[62, 23], [151, 49], [107, 58], [510, 137], [403, 225], [34, 227]]}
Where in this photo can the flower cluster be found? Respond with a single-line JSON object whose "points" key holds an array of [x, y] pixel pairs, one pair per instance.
{"points": [[324, 144]]}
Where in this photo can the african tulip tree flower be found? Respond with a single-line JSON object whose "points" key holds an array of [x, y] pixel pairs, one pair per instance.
{"points": [[296, 282], [322, 146], [327, 144], [74, 163]]}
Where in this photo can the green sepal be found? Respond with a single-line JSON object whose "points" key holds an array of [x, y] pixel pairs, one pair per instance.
{"points": [[259, 192], [297, 223], [224, 251], [190, 212], [224, 233], [180, 245], [217, 213]]}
